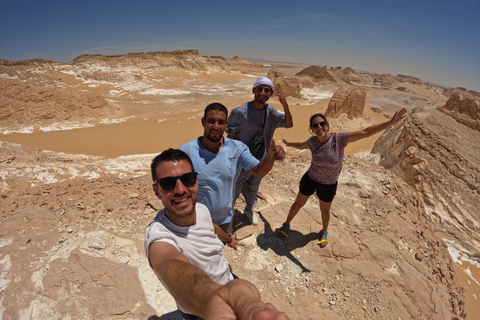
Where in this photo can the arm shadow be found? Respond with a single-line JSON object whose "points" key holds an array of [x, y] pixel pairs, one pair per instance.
{"points": [[174, 315]]}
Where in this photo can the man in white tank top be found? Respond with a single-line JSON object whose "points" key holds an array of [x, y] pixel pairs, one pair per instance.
{"points": [[186, 254]]}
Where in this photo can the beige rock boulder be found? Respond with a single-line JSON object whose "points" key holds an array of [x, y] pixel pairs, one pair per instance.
{"points": [[285, 82], [349, 100], [464, 108]]}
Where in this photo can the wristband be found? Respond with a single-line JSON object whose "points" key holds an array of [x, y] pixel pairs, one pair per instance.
{"points": [[228, 242]]}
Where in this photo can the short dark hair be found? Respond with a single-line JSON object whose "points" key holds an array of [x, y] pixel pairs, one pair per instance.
{"points": [[172, 155], [318, 115], [217, 107]]}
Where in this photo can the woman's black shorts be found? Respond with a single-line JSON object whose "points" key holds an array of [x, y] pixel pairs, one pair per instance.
{"points": [[325, 192]]}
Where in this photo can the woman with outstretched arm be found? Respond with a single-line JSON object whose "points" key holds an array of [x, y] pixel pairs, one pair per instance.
{"points": [[327, 158]]}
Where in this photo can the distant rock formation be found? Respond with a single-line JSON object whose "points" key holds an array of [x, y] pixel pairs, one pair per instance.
{"points": [[22, 103], [464, 108], [29, 69], [459, 90], [285, 82], [161, 60], [408, 79], [349, 100], [349, 76], [29, 62], [385, 80], [319, 75], [139, 58], [329, 78]]}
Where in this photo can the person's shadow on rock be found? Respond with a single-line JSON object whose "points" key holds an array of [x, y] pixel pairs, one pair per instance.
{"points": [[270, 240], [239, 220]]}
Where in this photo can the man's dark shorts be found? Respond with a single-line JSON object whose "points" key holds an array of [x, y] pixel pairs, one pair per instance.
{"points": [[325, 192]]}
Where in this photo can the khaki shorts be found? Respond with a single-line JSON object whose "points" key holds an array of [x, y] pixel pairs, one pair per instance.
{"points": [[227, 227]]}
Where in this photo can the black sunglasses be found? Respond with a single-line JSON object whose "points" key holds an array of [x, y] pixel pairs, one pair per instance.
{"points": [[259, 90], [169, 183], [320, 124]]}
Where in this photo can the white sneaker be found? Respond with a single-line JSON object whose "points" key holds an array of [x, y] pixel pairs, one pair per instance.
{"points": [[251, 216]]}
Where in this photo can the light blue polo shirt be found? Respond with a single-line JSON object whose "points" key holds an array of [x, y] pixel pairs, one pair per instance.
{"points": [[217, 174]]}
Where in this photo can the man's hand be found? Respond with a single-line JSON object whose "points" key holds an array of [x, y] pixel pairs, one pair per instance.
{"points": [[277, 152], [233, 243], [281, 97], [240, 300]]}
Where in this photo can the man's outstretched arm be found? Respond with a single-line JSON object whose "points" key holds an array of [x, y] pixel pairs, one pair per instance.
{"points": [[194, 290], [189, 285]]}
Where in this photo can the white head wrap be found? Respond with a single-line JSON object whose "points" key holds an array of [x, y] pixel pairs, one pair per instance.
{"points": [[264, 80]]}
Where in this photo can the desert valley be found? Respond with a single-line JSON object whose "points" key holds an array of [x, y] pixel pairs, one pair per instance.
{"points": [[77, 140]]}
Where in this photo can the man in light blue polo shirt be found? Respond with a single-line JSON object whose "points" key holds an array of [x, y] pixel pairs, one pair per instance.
{"points": [[218, 161]]}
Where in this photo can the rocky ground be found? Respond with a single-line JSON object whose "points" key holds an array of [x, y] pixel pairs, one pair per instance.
{"points": [[71, 240], [74, 249]]}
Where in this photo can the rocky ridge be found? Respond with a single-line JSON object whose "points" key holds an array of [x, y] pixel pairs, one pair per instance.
{"points": [[428, 156]]}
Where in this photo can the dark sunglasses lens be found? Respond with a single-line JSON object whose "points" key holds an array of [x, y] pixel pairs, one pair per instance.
{"points": [[316, 125], [259, 90], [188, 179], [168, 183]]}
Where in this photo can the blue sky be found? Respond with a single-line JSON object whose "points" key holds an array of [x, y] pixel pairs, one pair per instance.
{"points": [[437, 41]]}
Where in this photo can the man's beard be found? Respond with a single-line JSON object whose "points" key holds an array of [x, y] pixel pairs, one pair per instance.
{"points": [[213, 139], [180, 214], [261, 100]]}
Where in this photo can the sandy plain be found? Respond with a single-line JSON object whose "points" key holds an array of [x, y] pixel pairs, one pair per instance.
{"points": [[156, 126]]}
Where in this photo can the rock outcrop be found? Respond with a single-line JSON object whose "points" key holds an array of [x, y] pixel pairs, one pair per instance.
{"points": [[385, 80], [26, 104], [189, 60], [350, 76], [329, 79], [349, 100], [447, 92], [440, 159], [318, 74], [464, 108], [28, 63], [409, 79], [285, 82]]}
